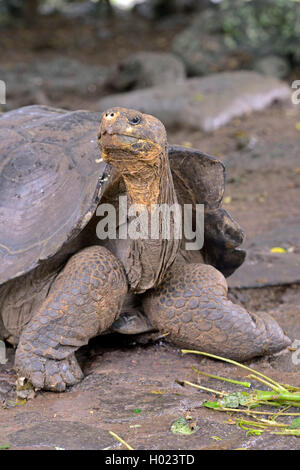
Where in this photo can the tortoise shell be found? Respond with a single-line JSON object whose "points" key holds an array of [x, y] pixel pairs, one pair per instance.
{"points": [[52, 179], [50, 182]]}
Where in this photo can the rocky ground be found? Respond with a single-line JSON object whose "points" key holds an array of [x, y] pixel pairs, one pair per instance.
{"points": [[130, 383], [131, 389]]}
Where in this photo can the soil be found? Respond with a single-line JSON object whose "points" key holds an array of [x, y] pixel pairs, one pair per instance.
{"points": [[130, 382]]}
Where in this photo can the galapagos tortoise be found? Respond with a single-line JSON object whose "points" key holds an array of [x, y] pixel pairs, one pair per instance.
{"points": [[60, 285]]}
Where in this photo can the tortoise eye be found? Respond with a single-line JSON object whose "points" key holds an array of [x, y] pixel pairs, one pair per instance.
{"points": [[135, 120]]}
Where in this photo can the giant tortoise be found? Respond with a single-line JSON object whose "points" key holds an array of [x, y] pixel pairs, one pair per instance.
{"points": [[62, 285]]}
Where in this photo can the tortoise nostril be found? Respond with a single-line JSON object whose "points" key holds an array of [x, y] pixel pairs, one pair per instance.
{"points": [[109, 115]]}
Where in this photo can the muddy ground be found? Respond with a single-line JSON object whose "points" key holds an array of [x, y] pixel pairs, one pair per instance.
{"points": [[130, 383]]}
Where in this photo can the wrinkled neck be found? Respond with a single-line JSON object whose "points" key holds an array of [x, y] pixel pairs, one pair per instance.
{"points": [[147, 260], [153, 185]]}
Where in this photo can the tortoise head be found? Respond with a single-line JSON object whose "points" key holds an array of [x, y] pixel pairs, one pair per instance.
{"points": [[133, 142], [136, 145]]}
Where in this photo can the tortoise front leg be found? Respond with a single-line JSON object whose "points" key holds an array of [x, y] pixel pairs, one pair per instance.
{"points": [[84, 301], [192, 306]]}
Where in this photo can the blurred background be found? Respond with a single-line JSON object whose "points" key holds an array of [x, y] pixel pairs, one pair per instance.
{"points": [[219, 74], [71, 53]]}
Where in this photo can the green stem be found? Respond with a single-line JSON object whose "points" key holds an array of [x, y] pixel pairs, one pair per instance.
{"points": [[268, 384], [269, 403], [281, 396], [120, 440], [291, 388], [264, 423], [281, 412], [250, 423], [230, 361], [252, 430], [251, 412], [225, 379], [216, 392], [287, 432]]}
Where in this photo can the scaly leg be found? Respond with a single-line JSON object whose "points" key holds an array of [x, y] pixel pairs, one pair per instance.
{"points": [[84, 301], [192, 306]]}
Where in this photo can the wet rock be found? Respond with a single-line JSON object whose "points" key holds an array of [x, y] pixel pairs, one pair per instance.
{"points": [[264, 268], [61, 434], [29, 417], [146, 69], [203, 103], [132, 391]]}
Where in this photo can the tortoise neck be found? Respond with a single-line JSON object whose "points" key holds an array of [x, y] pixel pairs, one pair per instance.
{"points": [[148, 259], [152, 186]]}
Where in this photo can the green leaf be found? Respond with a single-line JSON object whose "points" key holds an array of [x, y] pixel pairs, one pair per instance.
{"points": [[137, 410], [211, 404], [183, 427], [235, 399], [4, 447], [254, 432]]}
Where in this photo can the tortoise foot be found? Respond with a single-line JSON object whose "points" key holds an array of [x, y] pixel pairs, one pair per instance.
{"points": [[191, 305], [48, 374], [84, 301]]}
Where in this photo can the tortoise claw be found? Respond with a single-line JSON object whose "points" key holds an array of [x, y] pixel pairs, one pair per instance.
{"points": [[49, 374]]}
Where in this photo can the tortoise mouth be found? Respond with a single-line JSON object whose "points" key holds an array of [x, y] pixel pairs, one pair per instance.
{"points": [[112, 140], [121, 142], [119, 149]]}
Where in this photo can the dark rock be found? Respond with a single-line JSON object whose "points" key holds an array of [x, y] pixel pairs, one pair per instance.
{"points": [[204, 53], [203, 103], [234, 34], [46, 81], [273, 65], [146, 69], [156, 9]]}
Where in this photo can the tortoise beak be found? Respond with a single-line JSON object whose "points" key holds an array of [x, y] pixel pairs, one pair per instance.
{"points": [[107, 129]]}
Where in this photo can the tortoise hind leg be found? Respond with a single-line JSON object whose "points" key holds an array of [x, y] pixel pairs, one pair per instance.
{"points": [[192, 306], [84, 301]]}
